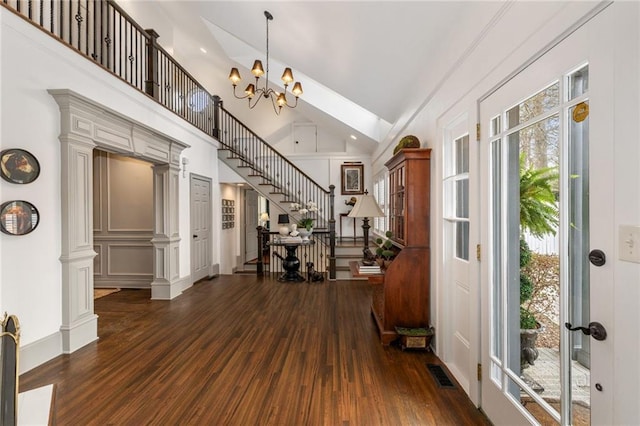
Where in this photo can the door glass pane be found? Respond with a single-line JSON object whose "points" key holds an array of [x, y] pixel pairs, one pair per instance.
{"points": [[495, 127], [462, 198], [535, 409], [578, 82], [462, 240], [496, 244], [579, 283], [462, 155], [456, 193], [539, 261], [538, 104]]}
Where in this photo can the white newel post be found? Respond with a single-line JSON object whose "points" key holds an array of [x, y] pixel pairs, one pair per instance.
{"points": [[79, 323], [166, 236]]}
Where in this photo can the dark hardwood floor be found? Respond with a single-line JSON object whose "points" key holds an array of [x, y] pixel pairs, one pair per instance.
{"points": [[237, 350]]}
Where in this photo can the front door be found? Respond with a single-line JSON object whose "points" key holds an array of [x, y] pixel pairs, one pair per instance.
{"points": [[539, 144], [200, 195]]}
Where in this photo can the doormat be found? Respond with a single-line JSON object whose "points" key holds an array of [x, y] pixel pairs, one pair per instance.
{"points": [[440, 376], [101, 292]]}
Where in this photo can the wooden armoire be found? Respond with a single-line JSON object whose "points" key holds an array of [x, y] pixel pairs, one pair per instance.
{"points": [[401, 295]]}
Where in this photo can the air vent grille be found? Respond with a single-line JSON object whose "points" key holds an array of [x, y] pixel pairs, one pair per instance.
{"points": [[440, 376]]}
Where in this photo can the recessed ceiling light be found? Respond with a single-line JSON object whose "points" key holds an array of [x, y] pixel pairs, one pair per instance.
{"points": [[354, 137], [203, 50]]}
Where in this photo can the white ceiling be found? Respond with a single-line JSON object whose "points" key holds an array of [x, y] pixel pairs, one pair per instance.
{"points": [[376, 54]]}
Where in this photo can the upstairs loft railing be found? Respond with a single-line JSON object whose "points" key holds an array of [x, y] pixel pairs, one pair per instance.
{"points": [[103, 32]]}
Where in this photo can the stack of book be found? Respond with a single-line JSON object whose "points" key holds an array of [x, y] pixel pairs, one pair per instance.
{"points": [[289, 239], [368, 269]]}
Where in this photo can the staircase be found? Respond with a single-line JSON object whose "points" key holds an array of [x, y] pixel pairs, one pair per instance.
{"points": [[347, 250], [274, 177]]}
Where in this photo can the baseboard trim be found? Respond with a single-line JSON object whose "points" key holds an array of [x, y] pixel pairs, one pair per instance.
{"points": [[37, 353], [215, 270]]}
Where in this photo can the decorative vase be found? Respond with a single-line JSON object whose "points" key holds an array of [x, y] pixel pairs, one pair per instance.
{"points": [[528, 351], [305, 233]]}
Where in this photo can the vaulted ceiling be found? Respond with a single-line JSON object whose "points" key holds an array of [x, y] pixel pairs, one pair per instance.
{"points": [[365, 66]]}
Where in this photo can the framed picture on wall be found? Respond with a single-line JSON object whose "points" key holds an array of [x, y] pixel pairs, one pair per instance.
{"points": [[18, 166], [18, 217], [352, 178]]}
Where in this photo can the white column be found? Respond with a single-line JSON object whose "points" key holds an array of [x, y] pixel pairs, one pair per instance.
{"points": [[79, 324], [166, 237]]}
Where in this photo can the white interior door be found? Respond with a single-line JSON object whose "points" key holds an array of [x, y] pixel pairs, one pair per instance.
{"points": [[200, 199], [535, 126], [459, 333]]}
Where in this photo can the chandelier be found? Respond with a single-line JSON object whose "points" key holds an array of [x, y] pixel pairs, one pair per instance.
{"points": [[278, 100]]}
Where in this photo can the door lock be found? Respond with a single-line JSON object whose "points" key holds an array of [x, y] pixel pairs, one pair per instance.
{"points": [[595, 330]]}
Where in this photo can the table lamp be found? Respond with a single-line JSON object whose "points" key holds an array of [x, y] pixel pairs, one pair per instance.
{"points": [[366, 207], [264, 218], [283, 221]]}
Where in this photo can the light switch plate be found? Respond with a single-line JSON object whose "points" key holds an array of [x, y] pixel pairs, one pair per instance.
{"points": [[629, 243]]}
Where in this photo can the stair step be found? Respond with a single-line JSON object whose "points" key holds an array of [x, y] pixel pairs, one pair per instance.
{"points": [[344, 273]]}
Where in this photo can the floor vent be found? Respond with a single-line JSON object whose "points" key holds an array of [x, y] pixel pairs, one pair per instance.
{"points": [[440, 376]]}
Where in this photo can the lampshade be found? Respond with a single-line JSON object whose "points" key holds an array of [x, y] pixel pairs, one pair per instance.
{"points": [[283, 218], [366, 206], [287, 76], [257, 69], [234, 76], [264, 217]]}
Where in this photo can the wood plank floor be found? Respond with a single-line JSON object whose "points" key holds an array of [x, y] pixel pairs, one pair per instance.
{"points": [[237, 350]]}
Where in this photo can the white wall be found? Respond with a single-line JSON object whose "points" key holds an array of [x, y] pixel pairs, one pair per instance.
{"points": [[33, 62]]}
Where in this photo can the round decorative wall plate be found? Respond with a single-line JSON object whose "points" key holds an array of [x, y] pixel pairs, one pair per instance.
{"points": [[18, 217], [18, 166]]}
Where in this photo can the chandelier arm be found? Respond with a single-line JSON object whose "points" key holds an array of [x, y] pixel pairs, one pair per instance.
{"points": [[294, 105], [257, 98], [276, 108], [238, 97]]}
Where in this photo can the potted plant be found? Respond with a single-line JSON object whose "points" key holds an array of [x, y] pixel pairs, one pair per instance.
{"points": [[305, 223], [385, 251]]}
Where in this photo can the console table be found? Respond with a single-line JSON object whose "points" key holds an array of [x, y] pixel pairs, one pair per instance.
{"points": [[343, 215], [291, 263]]}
